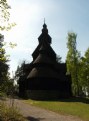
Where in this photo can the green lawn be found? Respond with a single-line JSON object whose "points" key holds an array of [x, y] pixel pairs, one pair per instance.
{"points": [[74, 106]]}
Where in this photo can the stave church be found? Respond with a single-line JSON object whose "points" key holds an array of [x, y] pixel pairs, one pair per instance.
{"points": [[45, 77]]}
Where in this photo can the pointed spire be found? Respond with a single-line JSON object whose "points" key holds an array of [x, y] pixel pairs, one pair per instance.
{"points": [[44, 30], [44, 20], [44, 37]]}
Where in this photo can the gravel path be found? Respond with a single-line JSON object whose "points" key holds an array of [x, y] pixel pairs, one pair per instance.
{"points": [[33, 113]]}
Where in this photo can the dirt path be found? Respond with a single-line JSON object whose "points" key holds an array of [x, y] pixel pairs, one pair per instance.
{"points": [[33, 113]]}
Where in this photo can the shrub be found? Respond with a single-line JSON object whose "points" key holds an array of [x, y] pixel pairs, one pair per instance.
{"points": [[9, 113]]}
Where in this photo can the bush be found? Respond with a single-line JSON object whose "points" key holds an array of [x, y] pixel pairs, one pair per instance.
{"points": [[2, 95], [10, 113]]}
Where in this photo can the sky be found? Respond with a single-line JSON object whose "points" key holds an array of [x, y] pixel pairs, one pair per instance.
{"points": [[61, 17]]}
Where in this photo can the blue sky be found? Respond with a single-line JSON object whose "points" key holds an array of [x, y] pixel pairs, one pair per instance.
{"points": [[61, 17]]}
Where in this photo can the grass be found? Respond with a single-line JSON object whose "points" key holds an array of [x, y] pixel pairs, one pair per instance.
{"points": [[78, 107]]}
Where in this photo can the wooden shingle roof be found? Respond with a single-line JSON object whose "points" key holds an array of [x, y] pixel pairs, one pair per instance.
{"points": [[43, 59], [40, 72]]}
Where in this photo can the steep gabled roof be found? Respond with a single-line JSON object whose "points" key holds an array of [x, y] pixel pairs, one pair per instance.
{"points": [[40, 72], [43, 59], [44, 48]]}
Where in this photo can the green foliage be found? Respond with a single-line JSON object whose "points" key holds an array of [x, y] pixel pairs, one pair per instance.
{"points": [[3, 65], [84, 75], [4, 75], [5, 83], [12, 45], [2, 95], [5, 16], [72, 60], [78, 67]]}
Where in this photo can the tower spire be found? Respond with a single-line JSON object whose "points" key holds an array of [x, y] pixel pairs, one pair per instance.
{"points": [[44, 20], [44, 30]]}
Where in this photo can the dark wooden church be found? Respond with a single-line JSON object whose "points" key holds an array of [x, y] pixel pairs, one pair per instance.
{"points": [[44, 77]]}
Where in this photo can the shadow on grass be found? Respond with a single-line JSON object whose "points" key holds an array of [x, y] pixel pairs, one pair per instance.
{"points": [[76, 99], [34, 119], [71, 99]]}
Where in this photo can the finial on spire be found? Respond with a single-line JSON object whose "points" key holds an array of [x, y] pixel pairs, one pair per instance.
{"points": [[44, 30], [44, 20]]}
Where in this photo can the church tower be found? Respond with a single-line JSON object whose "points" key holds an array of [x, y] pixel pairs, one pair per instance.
{"points": [[45, 78]]}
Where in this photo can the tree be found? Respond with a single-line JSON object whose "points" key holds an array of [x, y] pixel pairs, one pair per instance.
{"points": [[58, 59], [21, 77], [4, 75], [72, 61], [84, 75], [4, 20], [6, 84], [4, 25], [20, 71], [5, 16]]}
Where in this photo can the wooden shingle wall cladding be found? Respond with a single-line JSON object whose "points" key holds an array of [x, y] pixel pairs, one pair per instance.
{"points": [[46, 94], [48, 84]]}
